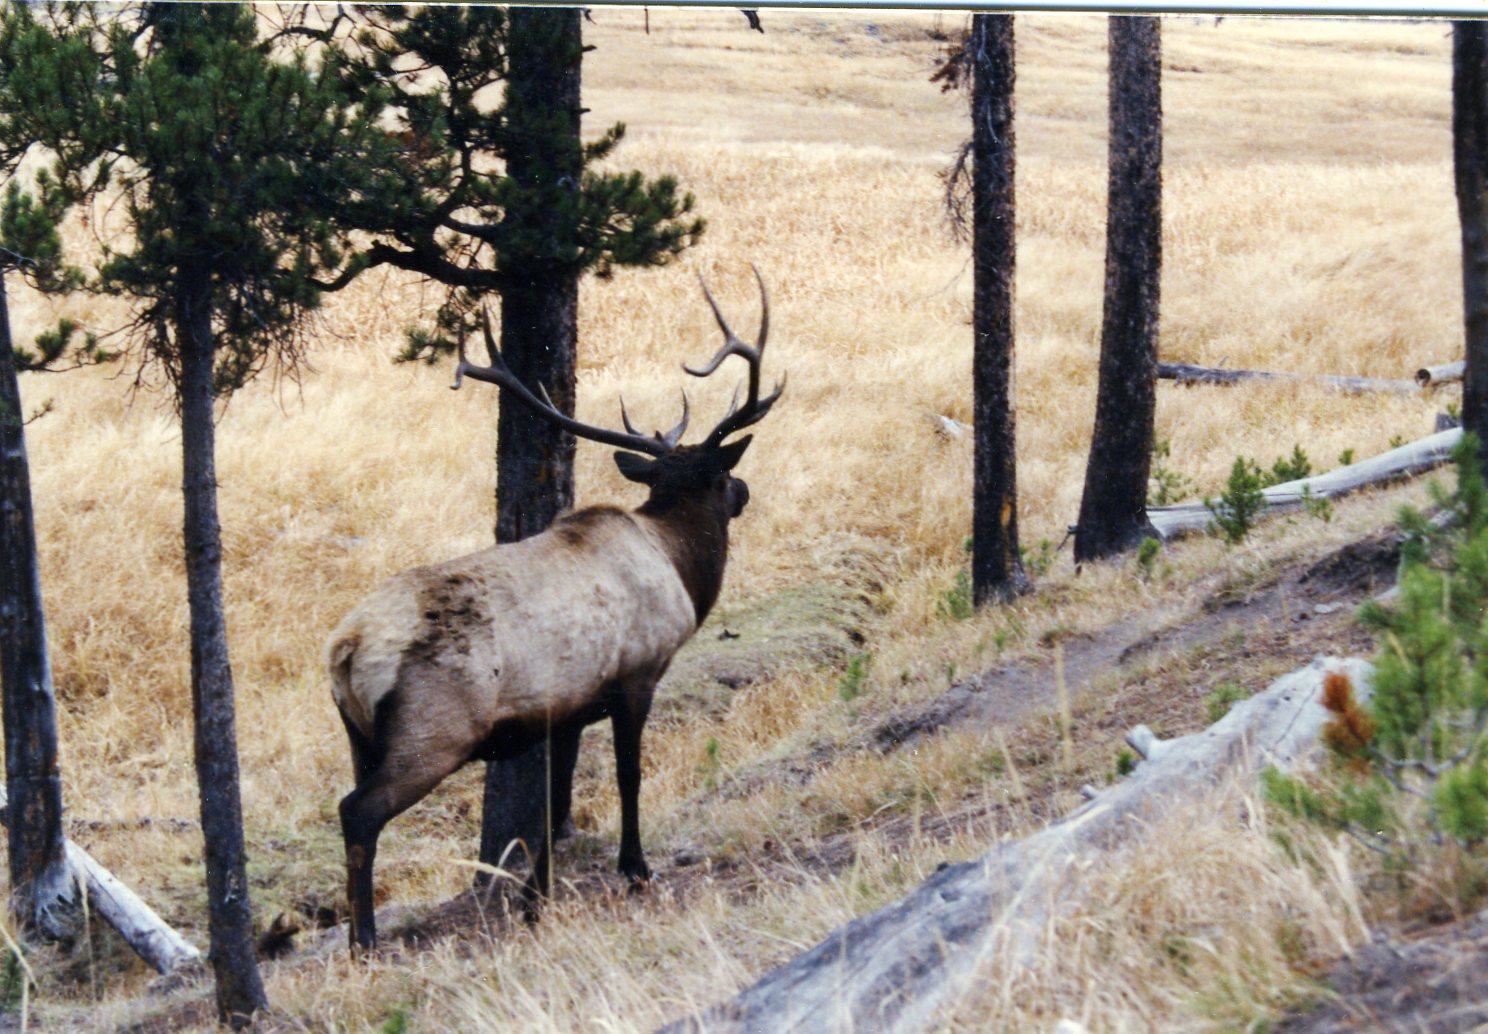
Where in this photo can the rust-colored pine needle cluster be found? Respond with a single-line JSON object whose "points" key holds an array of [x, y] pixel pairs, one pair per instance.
{"points": [[1350, 733]]}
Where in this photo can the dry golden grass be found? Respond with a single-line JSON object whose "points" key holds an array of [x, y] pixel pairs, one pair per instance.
{"points": [[1205, 926], [1310, 226]]}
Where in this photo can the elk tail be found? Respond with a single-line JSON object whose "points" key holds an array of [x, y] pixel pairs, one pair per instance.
{"points": [[339, 655]]}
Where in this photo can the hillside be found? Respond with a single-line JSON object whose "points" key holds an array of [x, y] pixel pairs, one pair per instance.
{"points": [[860, 730]]}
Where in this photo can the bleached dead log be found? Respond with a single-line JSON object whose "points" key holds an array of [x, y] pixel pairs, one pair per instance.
{"points": [[1413, 458], [901, 968], [1183, 373], [142, 929], [1431, 376], [1145, 742]]}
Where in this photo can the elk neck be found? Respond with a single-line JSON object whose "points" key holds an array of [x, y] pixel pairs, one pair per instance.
{"points": [[695, 534]]}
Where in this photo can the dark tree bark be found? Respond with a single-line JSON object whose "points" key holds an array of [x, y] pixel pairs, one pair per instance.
{"points": [[1470, 162], [1113, 508], [240, 990], [996, 570], [539, 338], [39, 878]]}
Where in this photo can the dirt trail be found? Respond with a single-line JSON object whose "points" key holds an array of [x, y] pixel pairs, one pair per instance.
{"points": [[1302, 592]]}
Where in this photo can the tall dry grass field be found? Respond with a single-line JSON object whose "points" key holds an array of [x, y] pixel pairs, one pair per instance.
{"points": [[1309, 226]]}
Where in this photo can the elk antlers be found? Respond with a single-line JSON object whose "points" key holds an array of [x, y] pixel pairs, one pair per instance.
{"points": [[755, 408], [659, 444]]}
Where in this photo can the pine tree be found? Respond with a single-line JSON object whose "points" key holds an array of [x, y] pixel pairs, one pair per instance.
{"points": [[1413, 761], [39, 880], [43, 893], [502, 196], [1113, 505], [236, 173], [983, 181], [996, 567]]}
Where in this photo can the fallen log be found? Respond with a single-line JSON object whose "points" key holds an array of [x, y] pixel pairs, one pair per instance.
{"points": [[902, 968], [1183, 373], [1412, 458], [1445, 373], [142, 929]]}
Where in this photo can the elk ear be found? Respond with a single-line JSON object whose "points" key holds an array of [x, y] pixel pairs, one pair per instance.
{"points": [[729, 455], [636, 468]]}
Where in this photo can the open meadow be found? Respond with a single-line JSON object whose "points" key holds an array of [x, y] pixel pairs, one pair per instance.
{"points": [[1310, 226]]}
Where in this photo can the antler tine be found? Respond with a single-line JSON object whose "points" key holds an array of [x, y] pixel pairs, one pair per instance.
{"points": [[460, 365], [747, 417], [625, 418], [674, 436], [732, 345], [670, 438], [498, 367], [500, 374], [764, 331], [734, 402]]}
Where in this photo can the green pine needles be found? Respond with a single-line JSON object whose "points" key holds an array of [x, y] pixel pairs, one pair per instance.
{"points": [[1411, 766], [240, 172], [485, 194], [1237, 508], [1243, 500]]}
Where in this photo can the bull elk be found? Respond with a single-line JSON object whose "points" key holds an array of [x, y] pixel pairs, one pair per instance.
{"points": [[485, 655]]}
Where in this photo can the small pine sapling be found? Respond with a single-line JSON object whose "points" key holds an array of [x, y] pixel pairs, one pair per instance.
{"points": [[1318, 506], [1147, 556], [1411, 768], [1241, 502], [1290, 468], [1038, 563], [1167, 485], [850, 684]]}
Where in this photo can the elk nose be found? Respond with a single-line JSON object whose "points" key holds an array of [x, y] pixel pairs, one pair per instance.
{"points": [[738, 496]]}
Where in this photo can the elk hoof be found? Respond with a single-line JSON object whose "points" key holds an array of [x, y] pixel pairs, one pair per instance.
{"points": [[634, 868]]}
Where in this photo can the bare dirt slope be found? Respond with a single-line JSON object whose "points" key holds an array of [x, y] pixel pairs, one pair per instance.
{"points": [[1430, 978]]}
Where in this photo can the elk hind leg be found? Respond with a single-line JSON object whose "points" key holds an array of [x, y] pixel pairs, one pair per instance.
{"points": [[396, 784]]}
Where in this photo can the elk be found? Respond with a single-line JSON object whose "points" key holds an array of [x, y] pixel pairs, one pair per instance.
{"points": [[483, 656]]}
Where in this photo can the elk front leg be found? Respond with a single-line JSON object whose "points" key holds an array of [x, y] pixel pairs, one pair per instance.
{"points": [[628, 718]]}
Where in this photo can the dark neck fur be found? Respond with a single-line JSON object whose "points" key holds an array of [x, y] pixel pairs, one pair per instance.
{"points": [[697, 544]]}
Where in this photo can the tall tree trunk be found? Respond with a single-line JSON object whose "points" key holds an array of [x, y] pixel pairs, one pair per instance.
{"points": [[996, 570], [539, 337], [1113, 508], [1470, 161], [39, 878], [240, 989]]}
